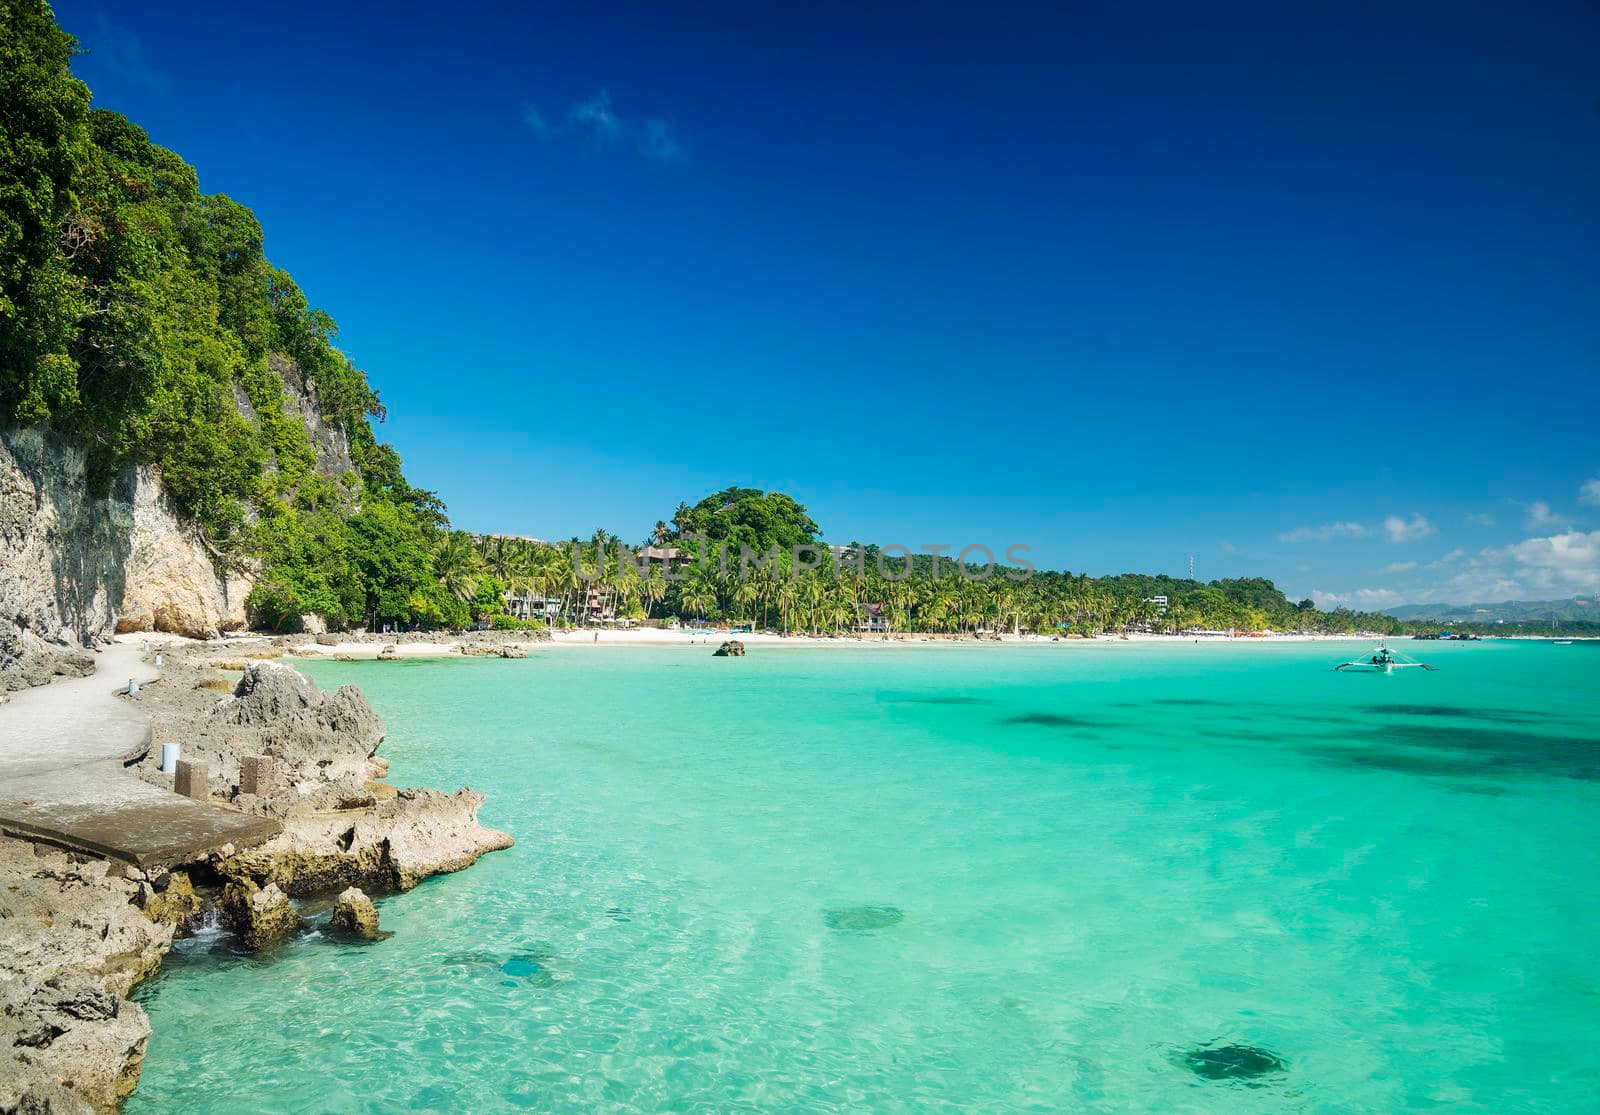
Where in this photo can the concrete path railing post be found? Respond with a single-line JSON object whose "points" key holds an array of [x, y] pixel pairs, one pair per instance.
{"points": [[257, 774], [193, 780]]}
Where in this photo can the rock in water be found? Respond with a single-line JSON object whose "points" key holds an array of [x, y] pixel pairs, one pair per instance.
{"points": [[733, 648], [862, 919], [513, 651], [354, 913], [261, 916], [173, 901], [1232, 1062], [393, 845], [389, 653]]}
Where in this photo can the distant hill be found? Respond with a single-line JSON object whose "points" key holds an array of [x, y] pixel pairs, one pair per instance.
{"points": [[1507, 611]]}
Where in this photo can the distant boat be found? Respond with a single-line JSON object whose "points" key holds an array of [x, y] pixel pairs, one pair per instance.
{"points": [[1563, 642], [1383, 661]]}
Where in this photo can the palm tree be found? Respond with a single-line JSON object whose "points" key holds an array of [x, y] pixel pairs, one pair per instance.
{"points": [[652, 589], [456, 564], [786, 595], [699, 596], [746, 593]]}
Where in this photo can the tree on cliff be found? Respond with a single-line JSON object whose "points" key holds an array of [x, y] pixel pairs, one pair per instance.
{"points": [[140, 318]]}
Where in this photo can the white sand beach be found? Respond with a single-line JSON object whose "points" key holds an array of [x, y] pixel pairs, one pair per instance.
{"points": [[446, 646]]}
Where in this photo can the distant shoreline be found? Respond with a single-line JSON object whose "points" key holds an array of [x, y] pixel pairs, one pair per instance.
{"points": [[371, 647]]}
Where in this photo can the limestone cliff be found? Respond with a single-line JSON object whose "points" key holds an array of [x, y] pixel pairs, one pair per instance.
{"points": [[76, 567]]}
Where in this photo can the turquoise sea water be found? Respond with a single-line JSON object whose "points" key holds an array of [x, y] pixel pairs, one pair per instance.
{"points": [[1006, 878]]}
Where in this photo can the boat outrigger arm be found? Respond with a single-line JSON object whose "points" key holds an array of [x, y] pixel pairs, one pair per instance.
{"points": [[1384, 661]]}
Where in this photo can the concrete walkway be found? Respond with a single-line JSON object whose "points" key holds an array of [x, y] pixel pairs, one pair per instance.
{"points": [[63, 750]]}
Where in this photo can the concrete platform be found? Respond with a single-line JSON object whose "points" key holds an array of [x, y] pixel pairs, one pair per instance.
{"points": [[63, 780]]}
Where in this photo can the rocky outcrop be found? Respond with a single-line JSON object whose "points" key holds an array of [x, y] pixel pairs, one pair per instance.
{"points": [[170, 897], [171, 581], [263, 917], [355, 915], [313, 736], [27, 660], [342, 825], [61, 557], [392, 844], [733, 648], [72, 945], [75, 937], [74, 567]]}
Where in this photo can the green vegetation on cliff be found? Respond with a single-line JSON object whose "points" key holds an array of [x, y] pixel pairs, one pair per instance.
{"points": [[140, 317]]}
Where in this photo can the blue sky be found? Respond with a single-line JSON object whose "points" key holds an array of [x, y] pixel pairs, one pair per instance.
{"points": [[1308, 291]]}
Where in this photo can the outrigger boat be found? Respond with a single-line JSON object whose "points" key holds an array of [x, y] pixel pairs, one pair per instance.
{"points": [[1383, 661]]}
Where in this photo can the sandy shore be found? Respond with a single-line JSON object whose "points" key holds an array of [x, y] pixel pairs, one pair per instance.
{"points": [[445, 647]]}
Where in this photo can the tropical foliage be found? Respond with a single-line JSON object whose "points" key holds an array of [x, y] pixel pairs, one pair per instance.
{"points": [[140, 318], [744, 556]]}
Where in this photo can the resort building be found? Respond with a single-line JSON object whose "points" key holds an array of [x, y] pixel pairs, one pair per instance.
{"points": [[873, 618], [665, 555]]}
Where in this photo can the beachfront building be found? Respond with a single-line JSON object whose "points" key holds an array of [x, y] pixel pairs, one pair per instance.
{"points": [[872, 618], [544, 608], [670, 556], [597, 605]]}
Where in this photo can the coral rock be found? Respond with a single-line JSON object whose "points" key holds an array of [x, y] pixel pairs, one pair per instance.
{"points": [[354, 913], [261, 916]]}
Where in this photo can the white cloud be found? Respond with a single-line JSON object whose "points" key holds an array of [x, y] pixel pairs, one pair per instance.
{"points": [[1327, 532], [1540, 517], [1590, 492], [1400, 567], [1361, 600], [596, 122], [596, 118], [1448, 559], [1553, 566], [1481, 519], [1407, 530], [1561, 561]]}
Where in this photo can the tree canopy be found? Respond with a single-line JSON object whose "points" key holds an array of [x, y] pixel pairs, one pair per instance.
{"points": [[140, 317], [745, 517]]}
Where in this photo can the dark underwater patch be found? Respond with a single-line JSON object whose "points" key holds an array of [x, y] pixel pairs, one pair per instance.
{"points": [[1493, 715], [1401, 761], [1434, 749], [862, 919], [1054, 720], [531, 966], [1232, 1062]]}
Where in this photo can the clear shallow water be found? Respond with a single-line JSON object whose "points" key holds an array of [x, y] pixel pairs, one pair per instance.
{"points": [[1101, 857]]}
